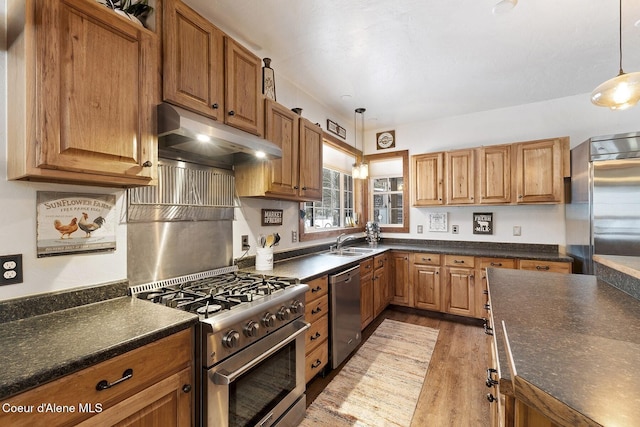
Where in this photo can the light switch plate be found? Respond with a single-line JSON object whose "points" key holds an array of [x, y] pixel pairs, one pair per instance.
{"points": [[517, 230], [420, 229]]}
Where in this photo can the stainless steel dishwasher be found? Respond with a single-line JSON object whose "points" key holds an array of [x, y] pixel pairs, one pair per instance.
{"points": [[345, 314]]}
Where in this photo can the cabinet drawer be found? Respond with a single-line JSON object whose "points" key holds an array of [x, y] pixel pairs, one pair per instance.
{"points": [[148, 364], [425, 258], [317, 288], [317, 334], [458, 261], [497, 263], [551, 266], [316, 309], [380, 261], [316, 360], [366, 267]]}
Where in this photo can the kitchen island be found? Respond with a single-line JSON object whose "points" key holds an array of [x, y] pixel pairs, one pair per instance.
{"points": [[568, 348]]}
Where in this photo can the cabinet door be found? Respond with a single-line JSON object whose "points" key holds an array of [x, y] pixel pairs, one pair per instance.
{"points": [[494, 163], [426, 179], [426, 287], [539, 169], [310, 161], [281, 128], [366, 300], [399, 275], [460, 177], [459, 291], [97, 85], [193, 61], [243, 95], [482, 291], [379, 290]]}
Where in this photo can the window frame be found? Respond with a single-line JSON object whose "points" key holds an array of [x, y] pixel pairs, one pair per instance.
{"points": [[359, 189], [404, 156]]}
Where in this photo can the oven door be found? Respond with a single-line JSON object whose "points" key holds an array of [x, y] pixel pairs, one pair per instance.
{"points": [[258, 385]]}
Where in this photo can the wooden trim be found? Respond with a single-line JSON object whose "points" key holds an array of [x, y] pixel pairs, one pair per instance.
{"points": [[404, 155]]}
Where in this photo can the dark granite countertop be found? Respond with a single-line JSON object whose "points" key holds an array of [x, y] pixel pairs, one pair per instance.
{"points": [[42, 348], [575, 343], [313, 265]]}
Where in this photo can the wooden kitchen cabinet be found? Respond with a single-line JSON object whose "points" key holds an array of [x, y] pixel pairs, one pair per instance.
{"points": [[161, 387], [380, 284], [400, 279], [540, 170], [317, 337], [208, 72], [550, 266], [494, 164], [460, 173], [84, 87], [366, 292], [297, 175], [482, 291], [427, 173], [425, 274], [459, 285]]}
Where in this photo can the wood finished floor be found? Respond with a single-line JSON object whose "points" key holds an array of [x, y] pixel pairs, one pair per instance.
{"points": [[454, 390]]}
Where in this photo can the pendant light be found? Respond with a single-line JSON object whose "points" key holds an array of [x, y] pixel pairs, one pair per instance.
{"points": [[504, 6], [622, 91], [359, 170]]}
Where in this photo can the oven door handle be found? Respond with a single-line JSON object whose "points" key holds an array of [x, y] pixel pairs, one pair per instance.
{"points": [[223, 377]]}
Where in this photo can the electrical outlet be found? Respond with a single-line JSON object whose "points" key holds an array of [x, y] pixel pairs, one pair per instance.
{"points": [[455, 229], [10, 269], [420, 229], [245, 242], [294, 236], [517, 230]]}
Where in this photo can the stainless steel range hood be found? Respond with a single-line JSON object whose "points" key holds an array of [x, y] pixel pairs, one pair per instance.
{"points": [[179, 130]]}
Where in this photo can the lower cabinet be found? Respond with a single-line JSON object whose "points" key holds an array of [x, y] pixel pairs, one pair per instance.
{"points": [[366, 292], [425, 274], [482, 292], [381, 293], [459, 285], [317, 337], [400, 279], [550, 266], [155, 385]]}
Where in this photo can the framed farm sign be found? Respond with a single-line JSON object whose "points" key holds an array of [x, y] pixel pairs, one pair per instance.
{"points": [[483, 223]]}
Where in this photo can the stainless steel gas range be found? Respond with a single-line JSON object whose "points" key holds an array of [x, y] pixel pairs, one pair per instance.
{"points": [[250, 346]]}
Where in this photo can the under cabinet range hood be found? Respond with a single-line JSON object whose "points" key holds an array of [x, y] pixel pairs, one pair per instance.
{"points": [[185, 135]]}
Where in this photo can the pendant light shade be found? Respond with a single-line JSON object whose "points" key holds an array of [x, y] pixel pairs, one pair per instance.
{"points": [[359, 170], [622, 91], [504, 6]]}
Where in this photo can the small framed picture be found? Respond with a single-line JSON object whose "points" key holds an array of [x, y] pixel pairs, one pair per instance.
{"points": [[271, 217], [483, 223], [336, 129], [438, 221]]}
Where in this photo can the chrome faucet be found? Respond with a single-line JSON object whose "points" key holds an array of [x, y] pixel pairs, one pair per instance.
{"points": [[340, 241]]}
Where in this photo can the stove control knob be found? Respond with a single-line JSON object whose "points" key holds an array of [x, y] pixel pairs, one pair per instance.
{"points": [[251, 329], [268, 320], [284, 313], [297, 307], [231, 339]]}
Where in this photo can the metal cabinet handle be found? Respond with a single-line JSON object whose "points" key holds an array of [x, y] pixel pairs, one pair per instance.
{"points": [[316, 310], [457, 261], [215, 105], [542, 267], [316, 289], [104, 384], [426, 259], [491, 398], [488, 330], [485, 292], [147, 164], [490, 381], [315, 337], [295, 187], [496, 264], [304, 188], [232, 113], [487, 307], [317, 363], [186, 388]]}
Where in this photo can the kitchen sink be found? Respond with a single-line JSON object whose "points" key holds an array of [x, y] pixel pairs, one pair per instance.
{"points": [[349, 251]]}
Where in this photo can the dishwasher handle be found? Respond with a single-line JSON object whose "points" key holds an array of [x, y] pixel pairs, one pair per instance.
{"points": [[345, 276]]}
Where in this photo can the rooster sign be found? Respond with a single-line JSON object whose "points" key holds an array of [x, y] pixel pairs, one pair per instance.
{"points": [[70, 223]]}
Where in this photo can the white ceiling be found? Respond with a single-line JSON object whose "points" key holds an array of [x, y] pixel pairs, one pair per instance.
{"points": [[415, 60]]}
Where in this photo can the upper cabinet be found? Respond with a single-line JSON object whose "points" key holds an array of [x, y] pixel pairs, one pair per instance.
{"points": [[84, 85], [427, 179], [540, 170], [298, 174], [519, 173], [208, 72]]}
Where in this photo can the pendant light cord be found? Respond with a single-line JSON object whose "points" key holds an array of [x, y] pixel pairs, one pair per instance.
{"points": [[620, 36]]}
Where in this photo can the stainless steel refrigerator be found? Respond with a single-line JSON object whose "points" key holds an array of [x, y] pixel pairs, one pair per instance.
{"points": [[603, 211]]}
